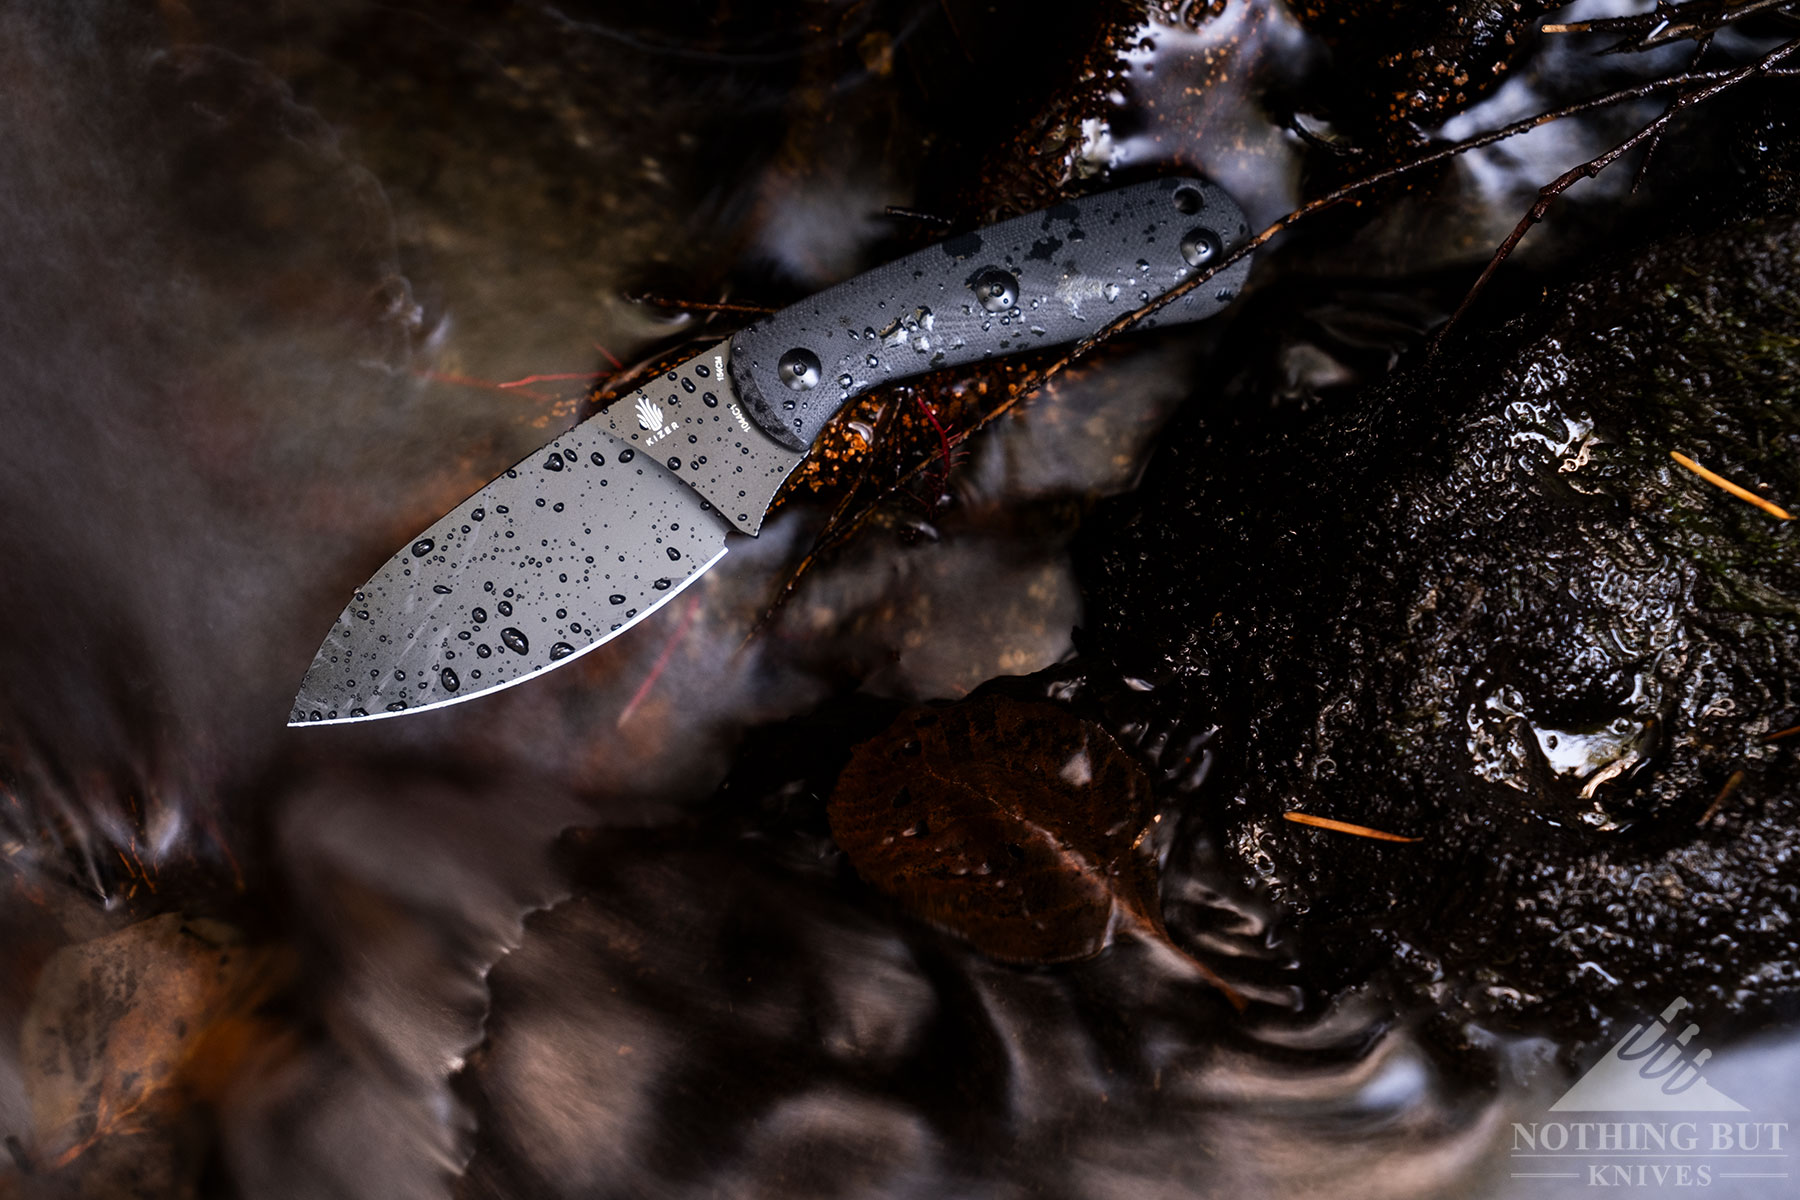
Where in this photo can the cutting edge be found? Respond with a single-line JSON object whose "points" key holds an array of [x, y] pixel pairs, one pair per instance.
{"points": [[552, 665]]}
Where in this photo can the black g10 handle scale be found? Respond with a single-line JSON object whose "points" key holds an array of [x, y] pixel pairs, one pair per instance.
{"points": [[1045, 279]]}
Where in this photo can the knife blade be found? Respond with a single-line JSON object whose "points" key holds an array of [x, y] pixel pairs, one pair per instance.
{"points": [[595, 531]]}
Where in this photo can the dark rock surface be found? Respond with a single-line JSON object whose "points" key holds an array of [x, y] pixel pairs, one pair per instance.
{"points": [[1480, 605]]}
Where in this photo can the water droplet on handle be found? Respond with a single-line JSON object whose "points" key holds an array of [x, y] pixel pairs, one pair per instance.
{"points": [[561, 650], [448, 678], [422, 547], [515, 641]]}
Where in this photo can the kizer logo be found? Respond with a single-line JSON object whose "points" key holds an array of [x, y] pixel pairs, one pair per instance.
{"points": [[1654, 1069], [650, 419]]}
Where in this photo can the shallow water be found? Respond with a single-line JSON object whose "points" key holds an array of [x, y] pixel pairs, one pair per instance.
{"points": [[282, 284]]}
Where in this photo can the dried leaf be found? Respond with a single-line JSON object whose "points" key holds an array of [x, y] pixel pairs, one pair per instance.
{"points": [[125, 1029], [1018, 826]]}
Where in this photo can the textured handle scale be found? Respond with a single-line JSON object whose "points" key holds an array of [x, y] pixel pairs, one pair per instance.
{"points": [[1039, 280]]}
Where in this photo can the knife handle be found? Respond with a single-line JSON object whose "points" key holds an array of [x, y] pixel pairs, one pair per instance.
{"points": [[1044, 279]]}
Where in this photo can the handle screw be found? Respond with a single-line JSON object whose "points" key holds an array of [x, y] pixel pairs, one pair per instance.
{"points": [[799, 369]]}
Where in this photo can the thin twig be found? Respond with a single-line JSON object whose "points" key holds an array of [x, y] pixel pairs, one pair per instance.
{"points": [[1708, 25], [1592, 167], [561, 375], [1017, 392], [1655, 28], [1350, 191], [1742, 493], [1548, 193], [1702, 45], [681, 304], [1774, 737], [1300, 818], [913, 214]]}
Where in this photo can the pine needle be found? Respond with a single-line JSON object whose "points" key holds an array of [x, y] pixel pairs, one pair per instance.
{"points": [[1742, 493], [1300, 818], [1731, 785]]}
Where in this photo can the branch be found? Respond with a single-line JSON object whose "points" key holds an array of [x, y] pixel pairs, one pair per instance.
{"points": [[845, 521], [1588, 170]]}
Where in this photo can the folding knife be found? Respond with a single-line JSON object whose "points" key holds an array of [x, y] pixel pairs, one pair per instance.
{"points": [[598, 529]]}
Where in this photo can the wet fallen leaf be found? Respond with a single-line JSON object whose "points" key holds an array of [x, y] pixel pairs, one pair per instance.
{"points": [[126, 1029], [1018, 826]]}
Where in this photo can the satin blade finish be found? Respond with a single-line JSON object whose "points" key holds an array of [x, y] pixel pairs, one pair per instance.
{"points": [[562, 553]]}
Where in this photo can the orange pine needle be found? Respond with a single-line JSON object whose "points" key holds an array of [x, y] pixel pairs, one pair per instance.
{"points": [[1744, 494], [1300, 818], [1784, 733], [1731, 785]]}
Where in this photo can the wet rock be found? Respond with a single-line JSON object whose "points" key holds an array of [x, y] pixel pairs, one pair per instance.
{"points": [[1480, 605]]}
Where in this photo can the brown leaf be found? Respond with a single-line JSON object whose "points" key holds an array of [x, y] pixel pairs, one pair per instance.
{"points": [[126, 1029], [1018, 826]]}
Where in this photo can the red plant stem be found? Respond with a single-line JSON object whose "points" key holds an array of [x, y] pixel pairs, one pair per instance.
{"points": [[943, 439], [661, 664], [485, 384]]}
